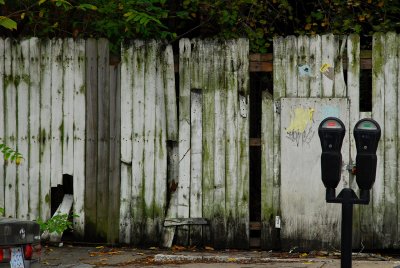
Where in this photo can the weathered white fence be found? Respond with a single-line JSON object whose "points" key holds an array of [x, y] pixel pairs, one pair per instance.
{"points": [[375, 225], [211, 153], [42, 115], [69, 112]]}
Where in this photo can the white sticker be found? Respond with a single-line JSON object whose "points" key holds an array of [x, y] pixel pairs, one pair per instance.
{"points": [[277, 222], [17, 259], [243, 106]]}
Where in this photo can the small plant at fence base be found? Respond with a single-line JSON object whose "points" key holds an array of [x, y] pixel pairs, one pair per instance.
{"points": [[10, 154], [58, 223]]}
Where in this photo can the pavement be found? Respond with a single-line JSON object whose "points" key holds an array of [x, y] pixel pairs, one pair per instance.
{"points": [[89, 257]]}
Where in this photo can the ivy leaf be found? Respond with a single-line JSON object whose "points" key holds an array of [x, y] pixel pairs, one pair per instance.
{"points": [[87, 6], [8, 23]]}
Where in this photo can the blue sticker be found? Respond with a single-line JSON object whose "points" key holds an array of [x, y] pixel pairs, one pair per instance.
{"points": [[304, 70], [330, 111]]}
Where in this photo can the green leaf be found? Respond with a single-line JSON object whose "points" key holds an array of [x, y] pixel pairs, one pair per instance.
{"points": [[41, 2], [87, 6], [2, 2], [8, 23]]}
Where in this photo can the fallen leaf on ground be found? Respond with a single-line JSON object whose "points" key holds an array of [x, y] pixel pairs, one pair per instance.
{"points": [[208, 248], [99, 247], [177, 248]]}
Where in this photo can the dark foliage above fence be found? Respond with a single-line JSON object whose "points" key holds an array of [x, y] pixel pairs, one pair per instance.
{"points": [[120, 20]]}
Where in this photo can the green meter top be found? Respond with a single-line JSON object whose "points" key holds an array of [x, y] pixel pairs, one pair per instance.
{"points": [[367, 133], [367, 125]]}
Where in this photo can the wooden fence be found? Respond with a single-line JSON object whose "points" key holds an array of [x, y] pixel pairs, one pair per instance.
{"points": [[140, 151]]}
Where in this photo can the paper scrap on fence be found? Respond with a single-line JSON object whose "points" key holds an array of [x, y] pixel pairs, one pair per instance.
{"points": [[327, 70]]}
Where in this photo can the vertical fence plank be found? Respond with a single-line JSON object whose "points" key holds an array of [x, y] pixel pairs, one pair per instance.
{"points": [[242, 232], [149, 142], [68, 106], [79, 123], [315, 65], [137, 66], [91, 138], [172, 137], [396, 245], [10, 63], [103, 136], [231, 124], [339, 83], [219, 221], [208, 137], [184, 137], [303, 57], [267, 171], [22, 84], [115, 151], [160, 150], [196, 163], [57, 127], [390, 141], [328, 52], [353, 93], [2, 117], [34, 128], [126, 145], [170, 94], [196, 136], [279, 81], [378, 106], [291, 61], [45, 128]]}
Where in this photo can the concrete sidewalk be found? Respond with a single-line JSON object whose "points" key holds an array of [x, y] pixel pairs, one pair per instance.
{"points": [[88, 257]]}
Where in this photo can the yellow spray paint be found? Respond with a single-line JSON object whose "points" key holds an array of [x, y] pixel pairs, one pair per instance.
{"points": [[300, 120]]}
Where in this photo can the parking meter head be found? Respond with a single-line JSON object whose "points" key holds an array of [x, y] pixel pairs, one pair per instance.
{"points": [[367, 133], [331, 132]]}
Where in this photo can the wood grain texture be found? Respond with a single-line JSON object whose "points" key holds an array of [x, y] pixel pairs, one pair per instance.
{"points": [[10, 63], [91, 138], [103, 137], [149, 234], [22, 86], [378, 114], [79, 138], [68, 106], [57, 124], [126, 146], [2, 122], [390, 140], [137, 65], [184, 138], [45, 129], [34, 129]]}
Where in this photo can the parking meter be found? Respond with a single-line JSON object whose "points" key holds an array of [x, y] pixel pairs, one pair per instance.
{"points": [[331, 132], [367, 133]]}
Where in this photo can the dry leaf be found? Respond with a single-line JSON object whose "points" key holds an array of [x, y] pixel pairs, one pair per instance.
{"points": [[208, 248]]}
